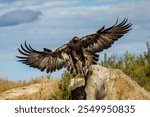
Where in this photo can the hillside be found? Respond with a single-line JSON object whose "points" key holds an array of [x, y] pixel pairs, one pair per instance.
{"points": [[41, 90]]}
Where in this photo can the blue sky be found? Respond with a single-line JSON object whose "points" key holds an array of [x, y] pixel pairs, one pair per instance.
{"points": [[51, 23]]}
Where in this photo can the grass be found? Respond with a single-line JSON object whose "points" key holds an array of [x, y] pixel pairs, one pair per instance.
{"points": [[6, 84], [48, 87], [46, 91]]}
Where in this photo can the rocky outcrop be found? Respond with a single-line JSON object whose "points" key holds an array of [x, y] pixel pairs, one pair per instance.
{"points": [[77, 87], [112, 84]]}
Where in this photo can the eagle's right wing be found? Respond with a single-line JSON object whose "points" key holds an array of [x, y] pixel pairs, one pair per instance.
{"points": [[46, 60]]}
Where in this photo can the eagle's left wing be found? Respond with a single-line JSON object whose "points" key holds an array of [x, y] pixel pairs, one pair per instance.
{"points": [[104, 38]]}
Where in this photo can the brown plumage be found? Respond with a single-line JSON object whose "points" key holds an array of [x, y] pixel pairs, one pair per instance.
{"points": [[78, 54]]}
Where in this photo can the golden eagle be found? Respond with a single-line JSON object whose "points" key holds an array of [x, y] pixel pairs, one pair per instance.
{"points": [[78, 54]]}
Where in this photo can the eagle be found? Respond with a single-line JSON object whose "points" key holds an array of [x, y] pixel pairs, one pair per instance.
{"points": [[78, 54]]}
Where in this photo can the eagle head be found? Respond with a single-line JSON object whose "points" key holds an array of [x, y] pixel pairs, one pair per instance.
{"points": [[74, 41]]}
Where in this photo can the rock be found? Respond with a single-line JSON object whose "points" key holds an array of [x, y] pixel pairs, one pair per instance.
{"points": [[78, 93], [111, 84], [77, 89], [76, 82]]}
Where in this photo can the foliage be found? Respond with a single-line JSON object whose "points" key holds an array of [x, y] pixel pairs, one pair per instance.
{"points": [[64, 91], [137, 67]]}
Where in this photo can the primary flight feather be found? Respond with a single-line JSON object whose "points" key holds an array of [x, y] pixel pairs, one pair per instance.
{"points": [[78, 54]]}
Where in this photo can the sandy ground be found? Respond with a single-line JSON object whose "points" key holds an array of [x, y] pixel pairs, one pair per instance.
{"points": [[16, 92], [39, 91]]}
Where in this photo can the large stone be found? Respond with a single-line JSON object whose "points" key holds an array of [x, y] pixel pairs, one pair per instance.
{"points": [[77, 87], [112, 84]]}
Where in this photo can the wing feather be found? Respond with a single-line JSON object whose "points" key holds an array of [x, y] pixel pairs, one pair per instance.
{"points": [[47, 60], [104, 38]]}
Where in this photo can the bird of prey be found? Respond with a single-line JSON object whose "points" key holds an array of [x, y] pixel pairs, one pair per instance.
{"points": [[78, 54]]}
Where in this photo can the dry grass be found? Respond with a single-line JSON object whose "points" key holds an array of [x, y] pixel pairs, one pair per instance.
{"points": [[6, 84], [47, 87]]}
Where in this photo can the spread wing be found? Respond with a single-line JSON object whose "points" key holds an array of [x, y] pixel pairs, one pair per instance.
{"points": [[45, 60], [104, 38]]}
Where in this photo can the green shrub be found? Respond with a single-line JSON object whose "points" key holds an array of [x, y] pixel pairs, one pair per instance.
{"points": [[64, 91], [137, 67]]}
